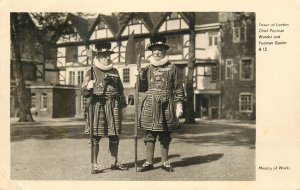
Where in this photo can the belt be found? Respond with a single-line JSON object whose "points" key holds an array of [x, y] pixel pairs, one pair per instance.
{"points": [[160, 96], [158, 92], [106, 96]]}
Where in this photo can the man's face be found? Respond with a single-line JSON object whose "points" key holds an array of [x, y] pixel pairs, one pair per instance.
{"points": [[158, 53], [104, 58]]}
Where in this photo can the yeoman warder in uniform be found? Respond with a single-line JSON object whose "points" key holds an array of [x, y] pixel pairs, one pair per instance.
{"points": [[108, 100], [162, 105]]}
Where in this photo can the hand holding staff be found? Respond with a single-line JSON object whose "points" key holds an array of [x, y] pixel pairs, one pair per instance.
{"points": [[90, 56]]}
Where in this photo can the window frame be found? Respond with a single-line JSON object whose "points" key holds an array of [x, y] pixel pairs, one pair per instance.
{"points": [[213, 40], [74, 52], [127, 76], [33, 100], [72, 78], [237, 34], [214, 74], [251, 102], [241, 69], [44, 104], [80, 77], [244, 37], [100, 27], [178, 45], [231, 69]]}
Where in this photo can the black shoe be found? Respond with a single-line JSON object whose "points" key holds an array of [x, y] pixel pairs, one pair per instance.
{"points": [[167, 167], [146, 167], [118, 166], [96, 169]]}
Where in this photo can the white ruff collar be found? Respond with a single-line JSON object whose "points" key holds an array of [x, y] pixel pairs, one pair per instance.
{"points": [[160, 62], [102, 66]]}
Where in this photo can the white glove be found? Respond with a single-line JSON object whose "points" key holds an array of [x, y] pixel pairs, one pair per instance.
{"points": [[90, 84], [136, 72], [179, 111]]}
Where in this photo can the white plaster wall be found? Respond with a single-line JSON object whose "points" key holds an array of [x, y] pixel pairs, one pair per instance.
{"points": [[173, 24], [162, 27], [61, 62], [136, 28], [62, 77], [61, 52]]}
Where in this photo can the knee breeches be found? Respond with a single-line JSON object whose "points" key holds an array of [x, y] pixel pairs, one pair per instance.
{"points": [[112, 139], [164, 137]]}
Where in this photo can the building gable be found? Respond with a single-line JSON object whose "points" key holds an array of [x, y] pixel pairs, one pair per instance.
{"points": [[135, 24], [102, 30], [70, 34], [173, 22]]}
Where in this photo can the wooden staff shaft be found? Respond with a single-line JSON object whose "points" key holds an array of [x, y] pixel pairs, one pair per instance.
{"points": [[137, 109]]}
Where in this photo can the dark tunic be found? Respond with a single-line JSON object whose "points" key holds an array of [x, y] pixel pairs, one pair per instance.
{"points": [[163, 89], [108, 99]]}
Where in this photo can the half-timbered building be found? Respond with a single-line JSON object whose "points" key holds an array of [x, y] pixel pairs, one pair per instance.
{"points": [[224, 70]]}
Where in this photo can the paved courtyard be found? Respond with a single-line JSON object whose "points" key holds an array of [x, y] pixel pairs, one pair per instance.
{"points": [[206, 151]]}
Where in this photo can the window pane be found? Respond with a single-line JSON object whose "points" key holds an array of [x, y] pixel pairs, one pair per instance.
{"points": [[215, 40], [243, 33], [210, 43], [126, 75], [175, 43], [79, 77], [246, 69], [72, 78], [33, 100], [43, 100], [236, 34], [71, 54], [228, 69], [214, 74], [246, 104], [101, 25]]}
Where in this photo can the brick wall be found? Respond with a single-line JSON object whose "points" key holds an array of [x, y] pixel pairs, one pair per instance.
{"points": [[232, 88]]}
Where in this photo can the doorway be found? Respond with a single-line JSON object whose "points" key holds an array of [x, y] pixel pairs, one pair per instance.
{"points": [[202, 105]]}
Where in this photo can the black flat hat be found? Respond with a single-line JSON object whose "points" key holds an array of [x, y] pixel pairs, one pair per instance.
{"points": [[104, 47], [158, 41]]}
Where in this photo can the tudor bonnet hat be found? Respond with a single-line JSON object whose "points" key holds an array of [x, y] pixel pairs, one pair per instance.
{"points": [[158, 41], [104, 47]]}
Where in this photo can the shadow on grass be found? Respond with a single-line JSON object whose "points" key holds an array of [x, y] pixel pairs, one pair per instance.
{"points": [[20, 133], [208, 134], [195, 160], [155, 161], [217, 134]]}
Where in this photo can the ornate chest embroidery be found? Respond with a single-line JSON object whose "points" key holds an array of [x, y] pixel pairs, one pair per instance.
{"points": [[159, 79], [106, 81]]}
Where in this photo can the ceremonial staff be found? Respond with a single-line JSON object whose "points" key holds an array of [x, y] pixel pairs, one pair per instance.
{"points": [[91, 107], [131, 56]]}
